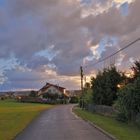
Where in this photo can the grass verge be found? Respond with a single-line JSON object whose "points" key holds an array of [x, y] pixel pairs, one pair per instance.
{"points": [[15, 116], [120, 130]]}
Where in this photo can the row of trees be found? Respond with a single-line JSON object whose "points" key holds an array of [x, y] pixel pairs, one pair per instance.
{"points": [[112, 88]]}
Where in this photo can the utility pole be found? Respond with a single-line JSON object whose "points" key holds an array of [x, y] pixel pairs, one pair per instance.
{"points": [[82, 75], [81, 71]]}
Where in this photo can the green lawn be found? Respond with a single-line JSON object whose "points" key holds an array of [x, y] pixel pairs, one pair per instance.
{"points": [[120, 130], [15, 116]]}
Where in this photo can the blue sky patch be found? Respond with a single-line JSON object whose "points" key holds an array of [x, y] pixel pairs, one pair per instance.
{"points": [[2, 3], [48, 53], [124, 8]]}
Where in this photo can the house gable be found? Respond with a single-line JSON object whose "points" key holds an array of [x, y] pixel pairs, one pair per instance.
{"points": [[50, 88], [53, 90]]}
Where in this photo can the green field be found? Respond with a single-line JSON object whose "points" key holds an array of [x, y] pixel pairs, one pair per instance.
{"points": [[15, 116], [120, 130]]}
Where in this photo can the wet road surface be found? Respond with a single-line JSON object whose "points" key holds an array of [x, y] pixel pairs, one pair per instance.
{"points": [[59, 123]]}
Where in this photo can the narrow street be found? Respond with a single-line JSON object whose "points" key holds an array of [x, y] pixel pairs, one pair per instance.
{"points": [[60, 123]]}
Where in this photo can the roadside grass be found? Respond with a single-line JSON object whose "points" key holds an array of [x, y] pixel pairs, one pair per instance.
{"points": [[120, 130], [15, 116]]}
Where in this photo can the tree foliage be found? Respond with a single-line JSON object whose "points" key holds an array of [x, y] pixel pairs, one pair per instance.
{"points": [[86, 97], [74, 99], [136, 69], [51, 96], [104, 86], [87, 93], [128, 103]]}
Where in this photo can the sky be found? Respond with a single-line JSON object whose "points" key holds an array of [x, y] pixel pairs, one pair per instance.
{"points": [[48, 40]]}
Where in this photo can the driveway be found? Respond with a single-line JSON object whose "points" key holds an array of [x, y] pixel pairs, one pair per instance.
{"points": [[60, 123]]}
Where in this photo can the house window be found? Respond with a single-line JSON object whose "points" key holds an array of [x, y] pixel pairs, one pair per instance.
{"points": [[49, 90]]}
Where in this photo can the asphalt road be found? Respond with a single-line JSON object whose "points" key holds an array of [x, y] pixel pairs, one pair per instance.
{"points": [[60, 123]]}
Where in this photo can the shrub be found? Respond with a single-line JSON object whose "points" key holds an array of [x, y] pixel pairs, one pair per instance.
{"points": [[2, 98], [128, 103], [51, 96], [55, 98], [74, 99]]}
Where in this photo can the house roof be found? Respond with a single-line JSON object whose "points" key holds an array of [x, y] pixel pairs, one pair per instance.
{"points": [[49, 85]]}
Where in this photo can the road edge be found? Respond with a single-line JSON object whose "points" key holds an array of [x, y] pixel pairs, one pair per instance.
{"points": [[94, 125], [34, 119]]}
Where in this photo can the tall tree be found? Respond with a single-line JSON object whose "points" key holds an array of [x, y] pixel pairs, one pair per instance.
{"points": [[104, 86], [128, 103], [87, 94], [136, 69]]}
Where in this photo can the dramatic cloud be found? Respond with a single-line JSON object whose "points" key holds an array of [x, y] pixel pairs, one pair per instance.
{"points": [[56, 37]]}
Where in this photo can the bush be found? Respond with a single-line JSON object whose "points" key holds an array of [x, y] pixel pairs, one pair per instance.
{"points": [[74, 100], [138, 119], [50, 96], [128, 103], [2, 98], [55, 98]]}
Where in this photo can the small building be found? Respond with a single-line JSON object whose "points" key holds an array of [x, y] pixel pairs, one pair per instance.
{"points": [[52, 89]]}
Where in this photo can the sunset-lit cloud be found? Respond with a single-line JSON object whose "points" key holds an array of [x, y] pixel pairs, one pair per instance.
{"points": [[122, 1], [48, 40]]}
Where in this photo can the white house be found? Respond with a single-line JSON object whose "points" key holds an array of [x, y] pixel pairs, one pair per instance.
{"points": [[54, 89]]}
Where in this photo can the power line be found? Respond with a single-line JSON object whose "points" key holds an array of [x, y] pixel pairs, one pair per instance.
{"points": [[130, 44]]}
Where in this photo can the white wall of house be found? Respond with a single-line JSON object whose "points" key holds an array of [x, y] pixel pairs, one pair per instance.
{"points": [[64, 91], [53, 90]]}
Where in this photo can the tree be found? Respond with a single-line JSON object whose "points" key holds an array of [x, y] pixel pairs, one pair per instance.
{"points": [[104, 86], [51, 96], [74, 99], [128, 103], [136, 69], [87, 94], [86, 97]]}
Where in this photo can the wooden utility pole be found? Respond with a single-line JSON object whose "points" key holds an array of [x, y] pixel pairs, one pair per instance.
{"points": [[82, 75], [81, 71]]}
